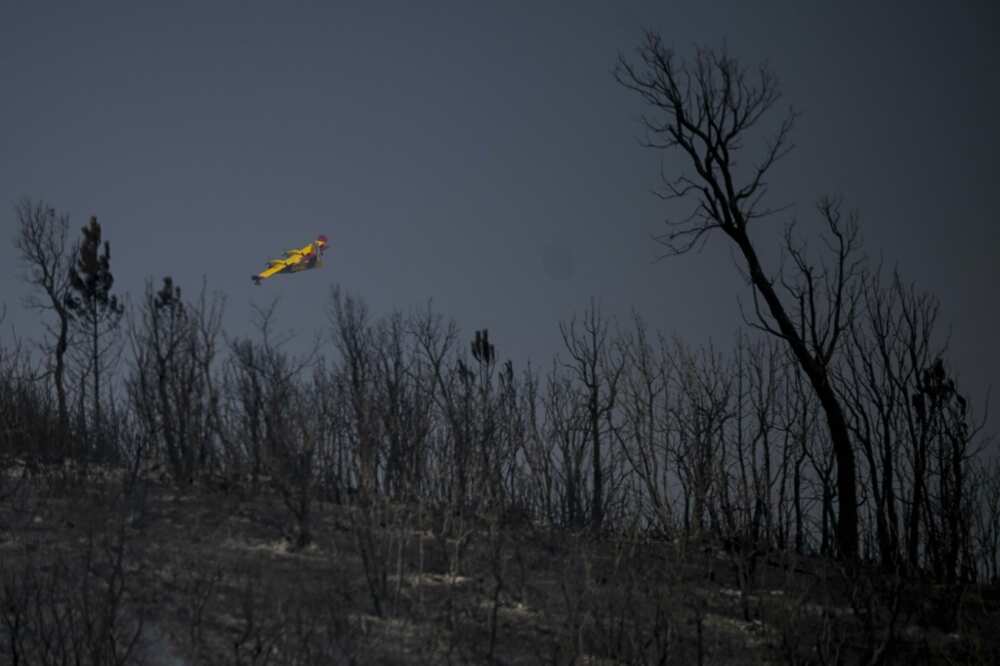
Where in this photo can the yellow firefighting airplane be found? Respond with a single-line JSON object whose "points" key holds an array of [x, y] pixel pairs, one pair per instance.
{"points": [[295, 261]]}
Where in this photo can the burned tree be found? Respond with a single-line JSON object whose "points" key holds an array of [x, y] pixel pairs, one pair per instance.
{"points": [[597, 363], [353, 339], [96, 311], [706, 109], [173, 395], [942, 510], [403, 389], [41, 240]]}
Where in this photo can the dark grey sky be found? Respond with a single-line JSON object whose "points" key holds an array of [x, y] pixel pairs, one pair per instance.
{"points": [[480, 154]]}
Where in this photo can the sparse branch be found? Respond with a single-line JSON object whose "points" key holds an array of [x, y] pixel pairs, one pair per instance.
{"points": [[42, 241], [705, 108]]}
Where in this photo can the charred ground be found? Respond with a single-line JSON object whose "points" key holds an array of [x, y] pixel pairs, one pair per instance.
{"points": [[103, 567]]}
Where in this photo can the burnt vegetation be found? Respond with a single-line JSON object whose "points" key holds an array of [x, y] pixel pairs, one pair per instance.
{"points": [[820, 493]]}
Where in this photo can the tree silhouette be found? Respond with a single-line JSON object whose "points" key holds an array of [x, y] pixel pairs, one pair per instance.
{"points": [[482, 349], [41, 242], [97, 312], [706, 109], [597, 364]]}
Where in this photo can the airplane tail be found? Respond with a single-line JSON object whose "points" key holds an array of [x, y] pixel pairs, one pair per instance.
{"points": [[256, 279]]}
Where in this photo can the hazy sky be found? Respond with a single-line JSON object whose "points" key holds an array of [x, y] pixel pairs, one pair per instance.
{"points": [[481, 154]]}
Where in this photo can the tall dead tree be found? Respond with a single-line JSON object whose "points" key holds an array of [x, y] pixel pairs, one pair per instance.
{"points": [[353, 338], [707, 109], [559, 455], [41, 240], [403, 390], [597, 364], [264, 387], [171, 384], [644, 433]]}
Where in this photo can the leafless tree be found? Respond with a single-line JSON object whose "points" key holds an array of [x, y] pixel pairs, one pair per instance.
{"points": [[404, 396], [353, 338], [892, 336], [644, 434], [987, 521], [73, 609], [703, 407], [294, 467], [913, 428], [596, 363], [706, 109], [29, 421], [566, 454], [242, 415], [516, 396], [798, 420], [171, 385], [437, 340], [42, 241], [336, 481], [264, 379], [540, 455], [944, 413]]}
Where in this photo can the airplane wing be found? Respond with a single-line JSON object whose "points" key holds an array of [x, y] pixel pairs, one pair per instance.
{"points": [[294, 261], [298, 254], [275, 266]]}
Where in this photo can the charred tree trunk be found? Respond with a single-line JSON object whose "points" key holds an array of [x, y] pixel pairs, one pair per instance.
{"points": [[705, 110], [819, 379]]}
